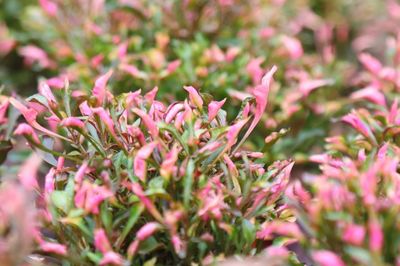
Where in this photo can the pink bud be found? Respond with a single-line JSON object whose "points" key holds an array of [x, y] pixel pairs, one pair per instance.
{"points": [[194, 96], [354, 234], [56, 82], [139, 163], [327, 258], [99, 90], [147, 230], [213, 109], [151, 95]]}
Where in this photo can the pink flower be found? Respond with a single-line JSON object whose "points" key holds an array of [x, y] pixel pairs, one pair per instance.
{"points": [[34, 54], [293, 46], [133, 71], [371, 94], [101, 241], [168, 165], [307, 86], [80, 174], [3, 112], [53, 248], [375, 236], [172, 66], [353, 120], [49, 7], [327, 258], [45, 91], [27, 131], [56, 82], [370, 63], [213, 109], [72, 122], [234, 131], [254, 69], [49, 183], [149, 123], [354, 234], [194, 96], [260, 93], [112, 258], [27, 174], [99, 90], [85, 109], [147, 230], [139, 162]]}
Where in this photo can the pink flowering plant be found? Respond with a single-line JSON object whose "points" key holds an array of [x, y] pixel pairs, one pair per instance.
{"points": [[133, 180]]}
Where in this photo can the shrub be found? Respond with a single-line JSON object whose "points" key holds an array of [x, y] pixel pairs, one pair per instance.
{"points": [[135, 180]]}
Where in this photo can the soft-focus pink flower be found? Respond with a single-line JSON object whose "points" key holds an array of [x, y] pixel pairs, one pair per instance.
{"points": [[370, 63], [53, 248], [56, 82], [353, 120], [260, 93], [327, 258], [376, 237], [111, 258], [213, 108], [371, 94], [28, 131], [101, 241], [254, 69], [99, 90], [147, 230], [168, 165], [49, 183], [133, 71], [354, 234], [307, 86], [148, 122], [139, 162], [85, 109], [80, 174], [234, 131], [194, 96], [27, 174], [33, 54], [49, 7], [293, 46], [172, 66]]}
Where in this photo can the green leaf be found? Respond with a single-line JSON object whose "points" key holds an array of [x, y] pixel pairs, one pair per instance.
{"points": [[135, 213], [61, 200], [187, 184]]}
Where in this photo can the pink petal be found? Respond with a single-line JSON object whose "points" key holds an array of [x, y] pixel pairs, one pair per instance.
{"points": [[72, 122], [139, 163], [149, 123], [213, 109], [147, 230], [327, 258], [99, 90], [370, 63]]}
